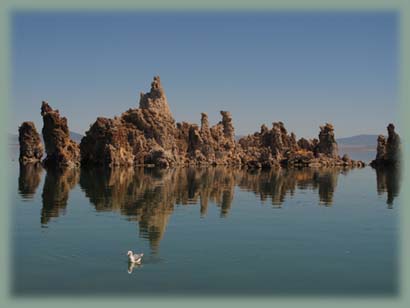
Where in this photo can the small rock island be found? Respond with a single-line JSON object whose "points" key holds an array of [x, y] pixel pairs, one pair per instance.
{"points": [[150, 136]]}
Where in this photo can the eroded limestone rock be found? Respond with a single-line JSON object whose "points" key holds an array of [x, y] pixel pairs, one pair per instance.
{"points": [[61, 151], [31, 148], [149, 136], [144, 135], [388, 151], [275, 147], [327, 143]]}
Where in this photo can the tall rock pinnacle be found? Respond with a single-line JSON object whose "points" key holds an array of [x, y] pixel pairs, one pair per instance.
{"points": [[61, 150], [388, 152], [155, 99]]}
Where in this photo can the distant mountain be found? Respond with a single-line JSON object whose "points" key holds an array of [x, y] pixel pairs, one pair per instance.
{"points": [[14, 139], [76, 137], [369, 141]]}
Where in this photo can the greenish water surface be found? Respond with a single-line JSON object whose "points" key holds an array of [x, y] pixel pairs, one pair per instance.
{"points": [[213, 231]]}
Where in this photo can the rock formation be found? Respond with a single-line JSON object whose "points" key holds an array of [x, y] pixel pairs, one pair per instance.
{"points": [[327, 142], [393, 146], [267, 148], [274, 147], [141, 136], [149, 136], [388, 151], [31, 148], [307, 145], [61, 151]]}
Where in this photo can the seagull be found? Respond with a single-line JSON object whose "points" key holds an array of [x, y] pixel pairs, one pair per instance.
{"points": [[134, 258]]}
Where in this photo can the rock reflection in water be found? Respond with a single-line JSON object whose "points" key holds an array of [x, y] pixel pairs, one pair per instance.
{"points": [[277, 184], [148, 196], [29, 179], [57, 186], [388, 180], [326, 183]]}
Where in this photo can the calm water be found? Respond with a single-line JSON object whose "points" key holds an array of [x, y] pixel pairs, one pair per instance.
{"points": [[205, 231]]}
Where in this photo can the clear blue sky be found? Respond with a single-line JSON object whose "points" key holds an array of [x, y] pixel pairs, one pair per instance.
{"points": [[300, 68]]}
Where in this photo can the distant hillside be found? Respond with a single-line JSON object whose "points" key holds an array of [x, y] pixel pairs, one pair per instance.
{"points": [[14, 139], [369, 141], [76, 137]]}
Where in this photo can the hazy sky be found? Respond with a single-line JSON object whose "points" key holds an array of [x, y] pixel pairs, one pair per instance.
{"points": [[300, 68]]}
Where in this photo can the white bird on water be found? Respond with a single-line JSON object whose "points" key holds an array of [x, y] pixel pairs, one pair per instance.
{"points": [[134, 258]]}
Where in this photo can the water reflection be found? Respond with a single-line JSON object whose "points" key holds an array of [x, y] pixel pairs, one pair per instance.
{"points": [[132, 267], [57, 186], [279, 183], [148, 196], [29, 179], [388, 180]]}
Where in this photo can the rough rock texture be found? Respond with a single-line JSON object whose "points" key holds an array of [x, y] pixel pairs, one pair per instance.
{"points": [[209, 145], [327, 142], [149, 136], [145, 135], [273, 147], [267, 148], [308, 145], [61, 151], [31, 148], [388, 151]]}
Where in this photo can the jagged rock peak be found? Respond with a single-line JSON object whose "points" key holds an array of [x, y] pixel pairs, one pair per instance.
{"points": [[204, 122], [45, 108], [155, 99], [31, 148], [61, 150], [227, 124]]}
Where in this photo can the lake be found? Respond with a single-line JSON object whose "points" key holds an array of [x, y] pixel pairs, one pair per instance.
{"points": [[209, 231]]}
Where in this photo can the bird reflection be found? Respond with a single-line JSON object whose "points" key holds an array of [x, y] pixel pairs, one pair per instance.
{"points": [[388, 180], [133, 266]]}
